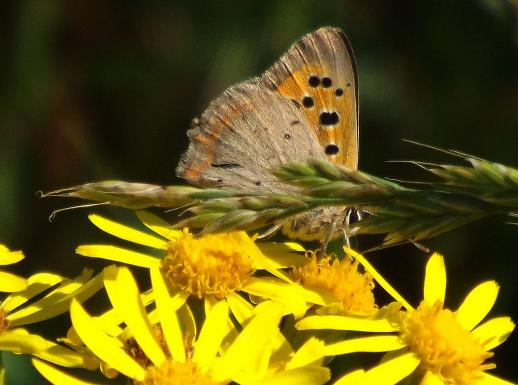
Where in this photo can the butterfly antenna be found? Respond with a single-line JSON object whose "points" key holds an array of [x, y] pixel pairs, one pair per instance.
{"points": [[55, 212]]}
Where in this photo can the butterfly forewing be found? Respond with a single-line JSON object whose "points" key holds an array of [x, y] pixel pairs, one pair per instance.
{"points": [[319, 73]]}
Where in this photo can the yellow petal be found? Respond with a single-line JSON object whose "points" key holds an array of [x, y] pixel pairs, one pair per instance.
{"points": [[127, 233], [356, 377], [37, 283], [283, 255], [494, 332], [364, 344], [188, 323], [435, 279], [168, 320], [311, 352], [317, 296], [110, 320], [378, 277], [125, 297], [392, 371], [20, 341], [10, 283], [56, 376], [336, 322], [102, 345], [158, 225], [8, 257], [260, 261], [488, 379], [431, 379], [239, 307], [118, 254], [58, 300], [252, 348], [211, 335], [287, 294], [477, 304], [307, 375]]}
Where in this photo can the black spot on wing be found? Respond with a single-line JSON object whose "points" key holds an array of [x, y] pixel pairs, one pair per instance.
{"points": [[326, 82], [332, 149], [328, 118], [314, 81], [297, 104], [225, 165], [307, 101]]}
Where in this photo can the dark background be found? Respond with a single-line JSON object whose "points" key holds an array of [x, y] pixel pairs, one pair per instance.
{"points": [[93, 90]]}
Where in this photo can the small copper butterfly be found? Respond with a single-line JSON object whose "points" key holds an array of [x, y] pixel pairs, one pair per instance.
{"points": [[305, 105]]}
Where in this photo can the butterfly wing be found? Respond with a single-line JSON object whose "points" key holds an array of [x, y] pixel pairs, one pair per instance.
{"points": [[284, 116], [319, 72], [242, 135]]}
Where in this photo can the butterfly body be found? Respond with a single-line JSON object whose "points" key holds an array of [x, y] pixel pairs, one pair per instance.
{"points": [[304, 106]]}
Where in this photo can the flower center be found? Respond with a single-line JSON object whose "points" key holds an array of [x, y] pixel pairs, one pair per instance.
{"points": [[443, 345], [211, 265], [177, 373], [341, 277]]}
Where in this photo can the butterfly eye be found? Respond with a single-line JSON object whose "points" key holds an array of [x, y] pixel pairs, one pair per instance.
{"points": [[332, 149]]}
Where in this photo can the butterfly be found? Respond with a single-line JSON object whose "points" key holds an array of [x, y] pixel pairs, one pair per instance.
{"points": [[304, 106]]}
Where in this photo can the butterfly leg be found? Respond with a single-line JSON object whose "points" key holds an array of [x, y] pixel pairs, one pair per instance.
{"points": [[328, 237], [269, 232], [352, 215]]}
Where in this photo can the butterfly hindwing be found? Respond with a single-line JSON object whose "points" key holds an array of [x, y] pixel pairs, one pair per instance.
{"points": [[243, 135], [319, 72]]}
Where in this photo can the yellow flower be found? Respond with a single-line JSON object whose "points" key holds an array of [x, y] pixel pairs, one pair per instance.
{"points": [[20, 309], [342, 278], [211, 267], [10, 283], [215, 355], [443, 346]]}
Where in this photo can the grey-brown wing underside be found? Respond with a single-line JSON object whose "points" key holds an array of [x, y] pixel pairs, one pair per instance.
{"points": [[242, 135]]}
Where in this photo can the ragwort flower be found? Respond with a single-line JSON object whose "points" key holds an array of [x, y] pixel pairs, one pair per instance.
{"points": [[179, 354], [44, 296], [211, 267], [439, 345]]}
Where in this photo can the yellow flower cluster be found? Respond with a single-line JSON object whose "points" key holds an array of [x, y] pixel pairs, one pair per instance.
{"points": [[225, 309]]}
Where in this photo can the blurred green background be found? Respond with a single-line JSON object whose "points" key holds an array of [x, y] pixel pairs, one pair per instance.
{"points": [[93, 90]]}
